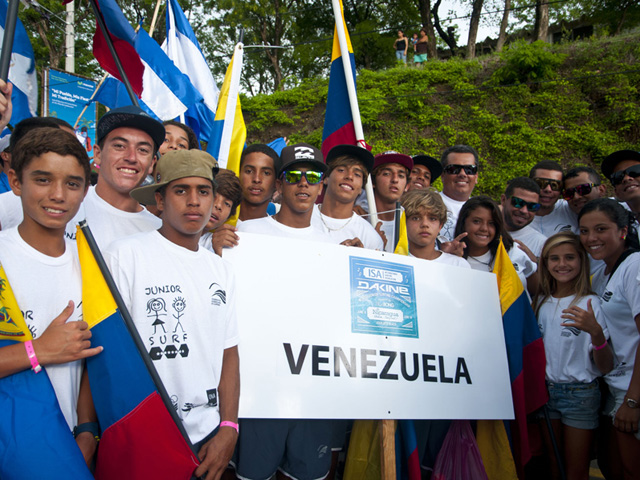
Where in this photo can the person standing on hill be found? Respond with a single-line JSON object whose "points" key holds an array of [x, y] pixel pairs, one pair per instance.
{"points": [[421, 49], [401, 45]]}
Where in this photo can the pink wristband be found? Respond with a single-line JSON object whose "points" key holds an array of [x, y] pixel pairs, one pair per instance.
{"points": [[600, 347], [230, 424], [31, 353]]}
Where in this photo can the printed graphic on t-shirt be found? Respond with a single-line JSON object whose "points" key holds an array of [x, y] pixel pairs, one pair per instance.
{"points": [[166, 312]]}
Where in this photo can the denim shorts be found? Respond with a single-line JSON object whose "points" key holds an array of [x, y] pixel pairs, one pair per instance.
{"points": [[576, 404], [613, 402]]}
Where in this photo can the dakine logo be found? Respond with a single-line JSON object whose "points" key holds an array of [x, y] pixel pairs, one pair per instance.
{"points": [[606, 296], [304, 153], [567, 331], [219, 296]]}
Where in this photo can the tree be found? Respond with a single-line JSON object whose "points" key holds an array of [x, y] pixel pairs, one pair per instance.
{"points": [[504, 23], [448, 36], [473, 28], [541, 28]]}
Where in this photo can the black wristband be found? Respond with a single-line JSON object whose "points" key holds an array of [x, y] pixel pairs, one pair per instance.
{"points": [[92, 427]]}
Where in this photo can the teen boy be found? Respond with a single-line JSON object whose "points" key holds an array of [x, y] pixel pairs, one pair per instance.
{"points": [[348, 169], [182, 300], [298, 448], [50, 173], [228, 196], [426, 214]]}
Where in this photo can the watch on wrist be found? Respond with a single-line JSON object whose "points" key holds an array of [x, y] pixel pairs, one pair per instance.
{"points": [[631, 403]]}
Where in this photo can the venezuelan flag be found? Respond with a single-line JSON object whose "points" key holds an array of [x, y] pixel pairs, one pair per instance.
{"points": [[338, 121], [139, 437], [525, 354], [229, 132], [402, 247], [35, 440]]}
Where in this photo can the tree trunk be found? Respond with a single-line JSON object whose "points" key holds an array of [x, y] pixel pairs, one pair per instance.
{"points": [[450, 40], [425, 15], [473, 28], [503, 26], [542, 20]]}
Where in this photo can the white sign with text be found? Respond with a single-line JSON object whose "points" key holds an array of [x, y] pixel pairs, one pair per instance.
{"points": [[328, 331]]}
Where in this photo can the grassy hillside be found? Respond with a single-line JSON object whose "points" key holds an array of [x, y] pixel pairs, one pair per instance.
{"points": [[573, 103]]}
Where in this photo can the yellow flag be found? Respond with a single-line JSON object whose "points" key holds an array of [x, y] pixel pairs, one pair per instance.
{"points": [[12, 324]]}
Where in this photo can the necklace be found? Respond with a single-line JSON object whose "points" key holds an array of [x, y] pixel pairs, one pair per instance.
{"points": [[488, 264], [328, 227]]}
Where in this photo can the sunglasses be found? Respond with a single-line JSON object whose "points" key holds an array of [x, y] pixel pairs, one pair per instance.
{"points": [[582, 190], [294, 176], [632, 171], [520, 203], [455, 169], [556, 185]]}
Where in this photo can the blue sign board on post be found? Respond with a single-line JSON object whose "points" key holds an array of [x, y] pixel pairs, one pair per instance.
{"points": [[67, 95], [383, 298]]}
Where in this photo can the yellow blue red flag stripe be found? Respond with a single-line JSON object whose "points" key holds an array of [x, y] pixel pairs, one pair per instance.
{"points": [[35, 440], [139, 436]]}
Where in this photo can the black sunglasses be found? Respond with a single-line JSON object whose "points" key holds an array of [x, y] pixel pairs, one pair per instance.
{"points": [[633, 171], [520, 203], [455, 169], [582, 190], [556, 185]]}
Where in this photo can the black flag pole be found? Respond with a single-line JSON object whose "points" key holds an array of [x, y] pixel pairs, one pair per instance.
{"points": [[112, 49], [133, 331], [7, 41]]}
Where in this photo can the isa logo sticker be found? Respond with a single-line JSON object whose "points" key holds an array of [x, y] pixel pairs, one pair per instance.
{"points": [[383, 298]]}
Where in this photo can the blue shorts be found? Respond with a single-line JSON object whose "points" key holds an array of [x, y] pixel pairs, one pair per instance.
{"points": [[613, 402], [301, 449], [575, 404]]}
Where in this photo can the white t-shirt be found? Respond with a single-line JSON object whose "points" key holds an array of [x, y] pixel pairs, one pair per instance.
{"points": [[620, 304], [521, 262], [560, 219], [108, 223], [453, 212], [184, 306], [43, 286], [10, 210], [567, 348], [270, 226], [532, 238], [448, 259], [341, 229]]}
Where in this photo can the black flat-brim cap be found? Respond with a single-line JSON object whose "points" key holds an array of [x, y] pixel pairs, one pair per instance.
{"points": [[610, 162], [359, 153], [301, 153], [431, 163], [131, 117]]}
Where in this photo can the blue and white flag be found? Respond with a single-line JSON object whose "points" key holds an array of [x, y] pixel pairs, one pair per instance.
{"points": [[159, 83], [22, 71], [181, 46], [113, 94]]}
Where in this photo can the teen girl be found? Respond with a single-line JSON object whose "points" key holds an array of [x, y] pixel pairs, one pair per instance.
{"points": [[607, 233], [576, 348], [481, 218]]}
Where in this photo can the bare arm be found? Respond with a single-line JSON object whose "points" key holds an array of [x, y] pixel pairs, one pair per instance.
{"points": [[86, 414], [216, 453], [626, 419]]}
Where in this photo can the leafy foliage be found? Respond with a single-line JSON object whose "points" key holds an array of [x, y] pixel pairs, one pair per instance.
{"points": [[586, 107]]}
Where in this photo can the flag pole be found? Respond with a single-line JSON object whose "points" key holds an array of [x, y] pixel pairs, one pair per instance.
{"points": [[353, 101], [135, 336], [154, 19], [7, 42], [103, 28]]}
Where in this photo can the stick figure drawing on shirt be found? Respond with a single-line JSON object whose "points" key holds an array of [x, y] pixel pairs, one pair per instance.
{"points": [[154, 308], [179, 304]]}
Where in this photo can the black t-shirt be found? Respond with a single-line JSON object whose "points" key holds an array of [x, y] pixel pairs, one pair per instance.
{"points": [[401, 44]]}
